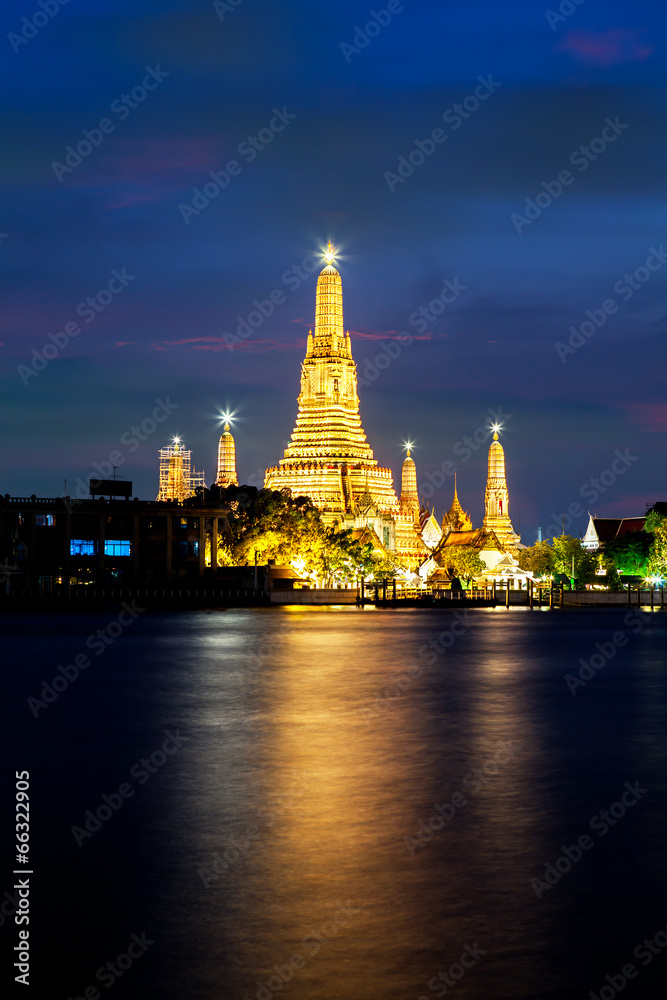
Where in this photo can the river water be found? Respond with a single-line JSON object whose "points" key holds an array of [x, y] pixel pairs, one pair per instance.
{"points": [[343, 803]]}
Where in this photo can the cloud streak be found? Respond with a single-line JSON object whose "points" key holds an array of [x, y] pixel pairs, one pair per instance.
{"points": [[613, 47]]}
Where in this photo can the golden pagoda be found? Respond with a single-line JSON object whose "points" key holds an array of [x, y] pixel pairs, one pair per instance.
{"points": [[496, 498], [328, 458], [226, 459], [456, 518], [409, 503], [410, 546]]}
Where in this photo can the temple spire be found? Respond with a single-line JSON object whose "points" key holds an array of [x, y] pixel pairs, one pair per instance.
{"points": [[328, 457], [456, 518], [496, 498], [329, 332], [226, 458], [409, 494]]}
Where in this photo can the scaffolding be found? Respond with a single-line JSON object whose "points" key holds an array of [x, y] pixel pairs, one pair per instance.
{"points": [[178, 478]]}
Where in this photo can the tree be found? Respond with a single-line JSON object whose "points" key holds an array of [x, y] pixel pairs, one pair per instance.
{"points": [[464, 562], [653, 521], [537, 559], [630, 553], [287, 529], [657, 560], [611, 577], [565, 548]]}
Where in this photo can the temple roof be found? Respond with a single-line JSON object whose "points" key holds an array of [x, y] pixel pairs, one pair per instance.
{"points": [[478, 539], [607, 528], [368, 534], [474, 537]]}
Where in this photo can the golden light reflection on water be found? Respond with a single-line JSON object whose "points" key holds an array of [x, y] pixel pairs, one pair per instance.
{"points": [[404, 781], [349, 796]]}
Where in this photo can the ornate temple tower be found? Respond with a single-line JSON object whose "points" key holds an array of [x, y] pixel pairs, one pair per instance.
{"points": [[226, 460], [496, 499], [409, 496], [328, 458], [456, 518]]}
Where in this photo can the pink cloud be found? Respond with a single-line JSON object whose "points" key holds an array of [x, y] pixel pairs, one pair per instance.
{"points": [[265, 346], [254, 346], [606, 48], [194, 340], [649, 416], [135, 172], [394, 335]]}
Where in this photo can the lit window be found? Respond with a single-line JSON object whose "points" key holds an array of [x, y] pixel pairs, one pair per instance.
{"points": [[45, 519], [117, 547], [82, 547]]}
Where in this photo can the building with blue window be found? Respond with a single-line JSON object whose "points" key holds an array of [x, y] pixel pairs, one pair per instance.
{"points": [[109, 541]]}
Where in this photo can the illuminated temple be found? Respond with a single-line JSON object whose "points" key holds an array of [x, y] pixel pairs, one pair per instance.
{"points": [[226, 459], [496, 498], [328, 458]]}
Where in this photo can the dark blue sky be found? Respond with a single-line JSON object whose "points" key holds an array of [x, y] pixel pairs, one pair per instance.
{"points": [[323, 175]]}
